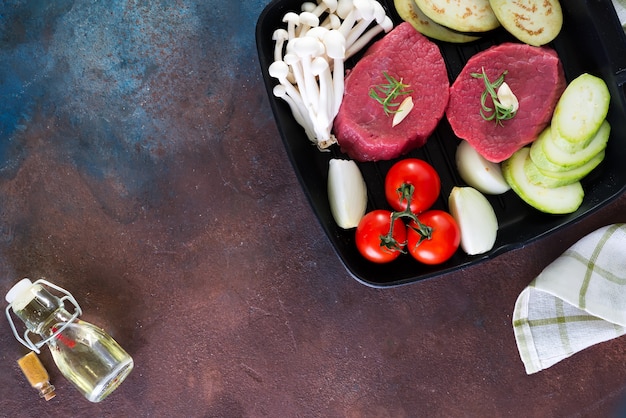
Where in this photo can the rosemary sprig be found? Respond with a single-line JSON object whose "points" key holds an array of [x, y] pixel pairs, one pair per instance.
{"points": [[499, 112], [386, 94]]}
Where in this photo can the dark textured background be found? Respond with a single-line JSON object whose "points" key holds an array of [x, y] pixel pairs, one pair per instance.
{"points": [[141, 169]]}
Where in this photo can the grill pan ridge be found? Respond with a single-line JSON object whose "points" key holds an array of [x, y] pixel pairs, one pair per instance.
{"points": [[591, 40]]}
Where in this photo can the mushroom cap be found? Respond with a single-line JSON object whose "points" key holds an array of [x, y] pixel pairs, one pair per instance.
{"points": [[279, 90], [280, 34], [319, 65], [308, 18], [333, 21], [290, 58], [331, 5], [379, 12], [278, 69], [291, 17], [386, 24], [365, 9], [308, 6], [307, 46], [343, 8], [317, 32], [335, 44]]}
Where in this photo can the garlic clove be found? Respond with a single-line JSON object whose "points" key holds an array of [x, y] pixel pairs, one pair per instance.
{"points": [[476, 219], [347, 193], [403, 111], [507, 98]]}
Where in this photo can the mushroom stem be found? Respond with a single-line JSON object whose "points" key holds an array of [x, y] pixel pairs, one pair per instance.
{"points": [[348, 23], [361, 9], [366, 14], [292, 19], [280, 71], [324, 116], [367, 37], [332, 21], [357, 31], [309, 58], [343, 8], [325, 5], [307, 48], [280, 36], [334, 42], [299, 113]]}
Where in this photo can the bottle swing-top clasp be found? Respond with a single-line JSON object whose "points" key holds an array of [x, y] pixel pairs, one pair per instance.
{"points": [[25, 340]]}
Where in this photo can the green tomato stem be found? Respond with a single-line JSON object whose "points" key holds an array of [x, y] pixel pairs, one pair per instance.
{"points": [[405, 191]]}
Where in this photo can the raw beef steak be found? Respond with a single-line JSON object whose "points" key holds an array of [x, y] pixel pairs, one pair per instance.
{"points": [[534, 74], [361, 127]]}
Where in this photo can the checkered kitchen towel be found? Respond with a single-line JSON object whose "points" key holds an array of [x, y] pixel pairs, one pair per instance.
{"points": [[577, 301]]}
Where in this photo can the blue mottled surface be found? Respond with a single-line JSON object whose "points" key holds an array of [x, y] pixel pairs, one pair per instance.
{"points": [[141, 169], [117, 76]]}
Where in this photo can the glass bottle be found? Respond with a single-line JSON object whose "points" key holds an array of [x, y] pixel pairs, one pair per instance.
{"points": [[85, 354]]}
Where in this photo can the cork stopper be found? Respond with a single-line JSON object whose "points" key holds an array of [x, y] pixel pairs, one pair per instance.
{"points": [[37, 375]]}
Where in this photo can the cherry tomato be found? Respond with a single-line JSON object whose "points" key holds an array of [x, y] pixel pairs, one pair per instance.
{"points": [[418, 173], [371, 233], [443, 239]]}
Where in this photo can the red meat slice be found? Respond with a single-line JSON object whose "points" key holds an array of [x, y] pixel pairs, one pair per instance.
{"points": [[536, 77], [361, 127]]}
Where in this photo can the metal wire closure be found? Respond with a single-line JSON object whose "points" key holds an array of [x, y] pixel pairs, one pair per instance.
{"points": [[26, 341]]}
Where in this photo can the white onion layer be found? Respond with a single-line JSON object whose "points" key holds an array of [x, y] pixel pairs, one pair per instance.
{"points": [[347, 193], [476, 219], [476, 171]]}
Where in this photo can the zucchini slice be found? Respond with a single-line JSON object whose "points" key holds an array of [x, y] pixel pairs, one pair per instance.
{"points": [[582, 108], [560, 178], [567, 145], [555, 156], [553, 200], [539, 157]]}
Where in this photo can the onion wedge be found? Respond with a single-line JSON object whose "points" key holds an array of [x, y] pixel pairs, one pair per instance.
{"points": [[476, 219], [347, 193], [479, 173]]}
